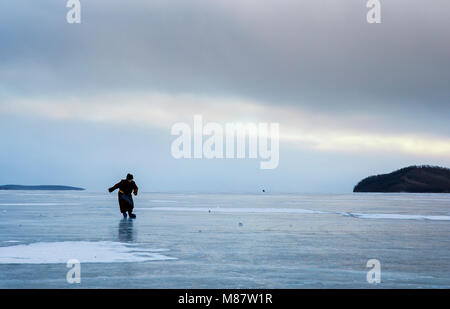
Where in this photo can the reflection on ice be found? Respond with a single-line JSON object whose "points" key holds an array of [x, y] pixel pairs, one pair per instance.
{"points": [[126, 231]]}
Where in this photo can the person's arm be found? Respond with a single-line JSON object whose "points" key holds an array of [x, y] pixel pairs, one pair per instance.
{"points": [[135, 191], [116, 186]]}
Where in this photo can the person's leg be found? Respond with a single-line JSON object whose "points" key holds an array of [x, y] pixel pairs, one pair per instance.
{"points": [[122, 206], [131, 214]]}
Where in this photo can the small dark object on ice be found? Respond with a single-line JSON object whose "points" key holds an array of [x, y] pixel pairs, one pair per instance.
{"points": [[241, 224]]}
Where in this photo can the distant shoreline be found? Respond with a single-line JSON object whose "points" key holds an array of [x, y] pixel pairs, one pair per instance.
{"points": [[41, 188]]}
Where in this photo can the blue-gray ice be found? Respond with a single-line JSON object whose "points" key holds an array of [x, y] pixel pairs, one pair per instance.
{"points": [[225, 240]]}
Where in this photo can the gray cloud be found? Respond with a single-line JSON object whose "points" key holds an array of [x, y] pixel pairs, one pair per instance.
{"points": [[318, 55], [315, 57]]}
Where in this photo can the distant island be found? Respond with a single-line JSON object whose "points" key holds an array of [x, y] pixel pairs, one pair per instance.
{"points": [[412, 179], [42, 187]]}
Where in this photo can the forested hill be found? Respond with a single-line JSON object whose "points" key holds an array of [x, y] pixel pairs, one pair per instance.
{"points": [[413, 179]]}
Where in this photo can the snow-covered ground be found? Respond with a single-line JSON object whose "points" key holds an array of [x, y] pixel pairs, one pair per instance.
{"points": [[224, 240]]}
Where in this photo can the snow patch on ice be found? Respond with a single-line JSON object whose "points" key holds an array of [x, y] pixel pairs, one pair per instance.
{"points": [[84, 251], [396, 216]]}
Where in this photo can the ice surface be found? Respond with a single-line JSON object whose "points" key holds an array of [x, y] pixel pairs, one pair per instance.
{"points": [[225, 240], [238, 210], [301, 211]]}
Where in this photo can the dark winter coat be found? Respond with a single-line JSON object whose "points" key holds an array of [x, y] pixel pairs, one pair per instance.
{"points": [[125, 198]]}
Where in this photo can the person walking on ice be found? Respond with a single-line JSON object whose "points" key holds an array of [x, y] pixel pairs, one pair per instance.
{"points": [[126, 187]]}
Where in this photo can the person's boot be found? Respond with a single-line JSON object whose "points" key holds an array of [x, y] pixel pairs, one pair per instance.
{"points": [[124, 215], [132, 216]]}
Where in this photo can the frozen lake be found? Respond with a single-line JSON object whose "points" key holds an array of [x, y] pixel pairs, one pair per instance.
{"points": [[224, 240]]}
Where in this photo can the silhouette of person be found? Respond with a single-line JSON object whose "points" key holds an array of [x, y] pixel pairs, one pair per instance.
{"points": [[126, 187]]}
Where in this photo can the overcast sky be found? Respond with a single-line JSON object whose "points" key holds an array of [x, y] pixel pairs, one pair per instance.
{"points": [[82, 104]]}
